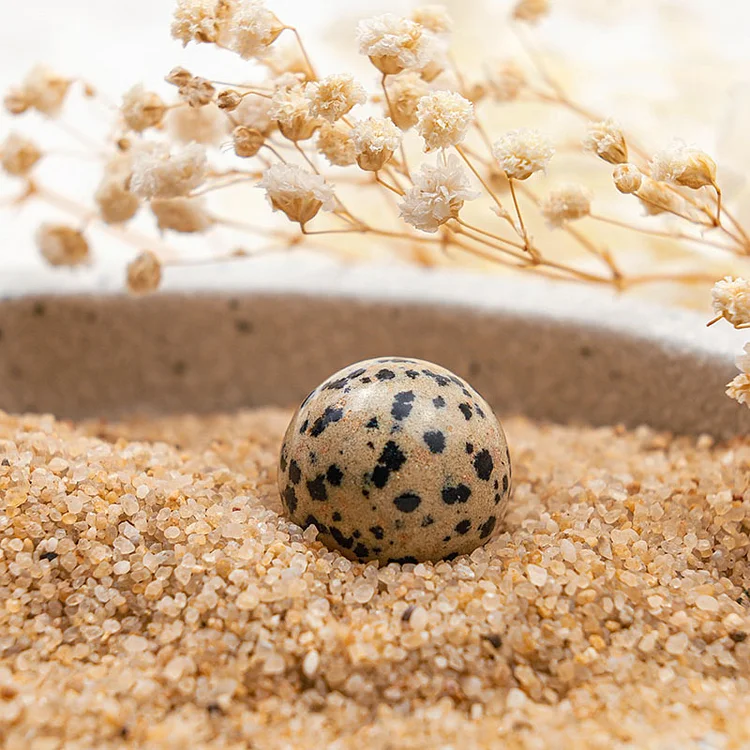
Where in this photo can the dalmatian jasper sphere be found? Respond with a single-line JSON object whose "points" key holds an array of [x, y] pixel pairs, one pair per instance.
{"points": [[396, 460]]}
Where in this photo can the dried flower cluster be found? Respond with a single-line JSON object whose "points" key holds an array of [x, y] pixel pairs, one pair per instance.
{"points": [[317, 145]]}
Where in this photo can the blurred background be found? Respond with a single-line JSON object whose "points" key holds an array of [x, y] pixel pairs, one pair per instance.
{"points": [[665, 68]]}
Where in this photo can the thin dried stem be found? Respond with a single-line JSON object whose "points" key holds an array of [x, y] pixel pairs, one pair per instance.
{"points": [[662, 233], [303, 50], [393, 189]]}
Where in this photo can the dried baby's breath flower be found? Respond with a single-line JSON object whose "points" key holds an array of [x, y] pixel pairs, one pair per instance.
{"points": [[142, 109], [254, 112], [197, 91], [178, 77], [684, 165], [656, 198], [228, 100], [404, 93], [291, 110], [627, 178], [252, 28], [144, 273], [295, 191], [566, 203], [437, 63], [159, 173], [521, 153], [394, 44], [437, 196], [443, 118], [116, 202], [18, 155], [731, 300], [15, 102], [607, 141], [206, 125], [375, 139], [334, 96], [61, 245], [287, 59], [247, 141], [199, 21], [434, 18], [530, 11], [739, 388], [336, 144], [185, 215], [506, 81], [42, 90]]}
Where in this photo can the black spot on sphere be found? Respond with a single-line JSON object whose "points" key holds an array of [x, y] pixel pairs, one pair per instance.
{"points": [[294, 472], [335, 385], [370, 444], [356, 373], [408, 502], [361, 550], [465, 409], [290, 498], [313, 521], [427, 521], [334, 475], [483, 464], [366, 380], [497, 498], [495, 485], [317, 488], [458, 494], [404, 560], [402, 404], [356, 533], [435, 441], [330, 415], [487, 527], [441, 380], [412, 374], [447, 538], [470, 448], [372, 424], [463, 526], [505, 483], [336, 516], [282, 461], [391, 459], [343, 541], [303, 427], [439, 402], [377, 531], [480, 411], [385, 374]]}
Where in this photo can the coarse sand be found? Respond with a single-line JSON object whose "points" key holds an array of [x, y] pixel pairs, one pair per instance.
{"points": [[151, 596]]}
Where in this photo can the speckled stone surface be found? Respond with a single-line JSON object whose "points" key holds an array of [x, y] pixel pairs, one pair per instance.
{"points": [[396, 459]]}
